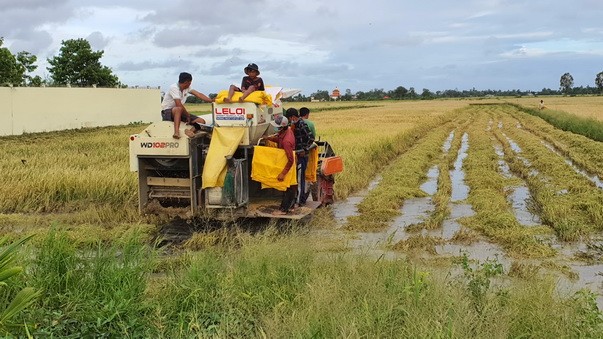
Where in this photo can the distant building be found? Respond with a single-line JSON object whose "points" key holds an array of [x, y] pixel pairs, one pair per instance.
{"points": [[336, 94]]}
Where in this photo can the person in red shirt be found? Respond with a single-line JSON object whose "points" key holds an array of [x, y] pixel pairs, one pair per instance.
{"points": [[285, 140], [251, 82]]}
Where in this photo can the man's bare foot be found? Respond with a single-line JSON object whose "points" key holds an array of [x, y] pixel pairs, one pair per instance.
{"points": [[241, 99], [227, 100], [190, 132], [176, 136], [279, 212]]}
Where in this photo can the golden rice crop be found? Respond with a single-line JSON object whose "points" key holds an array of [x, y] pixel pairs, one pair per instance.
{"points": [[582, 106]]}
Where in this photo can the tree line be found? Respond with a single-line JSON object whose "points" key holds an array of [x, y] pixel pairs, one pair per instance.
{"points": [[78, 65], [566, 87]]}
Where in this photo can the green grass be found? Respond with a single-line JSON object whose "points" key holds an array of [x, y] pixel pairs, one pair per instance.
{"points": [[259, 289], [588, 127]]}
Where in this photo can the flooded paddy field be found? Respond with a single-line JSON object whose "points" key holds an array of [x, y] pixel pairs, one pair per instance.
{"points": [[478, 220], [510, 204]]}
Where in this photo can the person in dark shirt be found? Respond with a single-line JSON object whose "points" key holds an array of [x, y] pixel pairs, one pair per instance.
{"points": [[303, 141], [311, 187], [286, 141], [251, 82]]}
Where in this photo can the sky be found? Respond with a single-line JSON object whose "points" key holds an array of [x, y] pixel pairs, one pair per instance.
{"points": [[320, 45]]}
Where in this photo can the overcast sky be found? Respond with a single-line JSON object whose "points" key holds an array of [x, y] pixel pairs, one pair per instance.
{"points": [[319, 45]]}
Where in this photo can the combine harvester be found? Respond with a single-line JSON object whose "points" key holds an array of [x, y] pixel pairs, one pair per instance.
{"points": [[210, 173]]}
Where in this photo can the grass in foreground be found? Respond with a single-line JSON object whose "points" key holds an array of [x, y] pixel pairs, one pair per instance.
{"points": [[258, 289]]}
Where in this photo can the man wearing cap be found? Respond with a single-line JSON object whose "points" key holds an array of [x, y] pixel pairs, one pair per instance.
{"points": [[303, 141], [285, 140], [251, 82], [172, 105]]}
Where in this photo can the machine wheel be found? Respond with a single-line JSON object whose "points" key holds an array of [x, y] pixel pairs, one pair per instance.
{"points": [[168, 163]]}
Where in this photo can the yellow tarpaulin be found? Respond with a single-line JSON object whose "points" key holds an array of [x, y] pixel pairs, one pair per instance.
{"points": [[267, 164], [224, 141], [258, 97], [312, 165]]}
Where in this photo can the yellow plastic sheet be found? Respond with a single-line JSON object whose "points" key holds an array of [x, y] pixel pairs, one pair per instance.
{"points": [[224, 141], [267, 164], [312, 165], [257, 97]]}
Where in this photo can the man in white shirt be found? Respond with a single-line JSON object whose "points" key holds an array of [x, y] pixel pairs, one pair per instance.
{"points": [[172, 106]]}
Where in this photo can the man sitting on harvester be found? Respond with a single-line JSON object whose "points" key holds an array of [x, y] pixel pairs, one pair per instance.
{"points": [[172, 105]]}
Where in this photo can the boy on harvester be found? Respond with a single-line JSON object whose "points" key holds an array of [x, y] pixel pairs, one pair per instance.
{"points": [[250, 83]]}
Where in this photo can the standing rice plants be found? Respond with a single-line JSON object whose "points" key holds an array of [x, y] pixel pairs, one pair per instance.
{"points": [[494, 215], [567, 201], [589, 127], [68, 171]]}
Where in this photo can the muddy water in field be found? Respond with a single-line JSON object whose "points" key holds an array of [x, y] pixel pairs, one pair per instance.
{"points": [[342, 210], [503, 167], [460, 191], [592, 177], [448, 143], [586, 275], [517, 150], [520, 197], [431, 185]]}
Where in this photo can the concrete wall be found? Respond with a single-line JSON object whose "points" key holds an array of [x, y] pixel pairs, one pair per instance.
{"points": [[32, 109]]}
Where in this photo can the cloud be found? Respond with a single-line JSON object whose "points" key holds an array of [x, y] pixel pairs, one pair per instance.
{"points": [[33, 41], [150, 65], [23, 20], [97, 40], [174, 37]]}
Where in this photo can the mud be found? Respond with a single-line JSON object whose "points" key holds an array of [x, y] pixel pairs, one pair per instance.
{"points": [[342, 210], [590, 277], [478, 251]]}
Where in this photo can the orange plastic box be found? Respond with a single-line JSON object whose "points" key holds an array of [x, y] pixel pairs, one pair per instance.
{"points": [[332, 165]]}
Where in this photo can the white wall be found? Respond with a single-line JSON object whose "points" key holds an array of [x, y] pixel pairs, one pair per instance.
{"points": [[42, 109]]}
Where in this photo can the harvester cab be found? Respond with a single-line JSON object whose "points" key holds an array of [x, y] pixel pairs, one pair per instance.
{"points": [[210, 173]]}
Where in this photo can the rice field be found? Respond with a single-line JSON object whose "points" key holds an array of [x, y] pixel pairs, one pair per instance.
{"points": [[455, 218]]}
